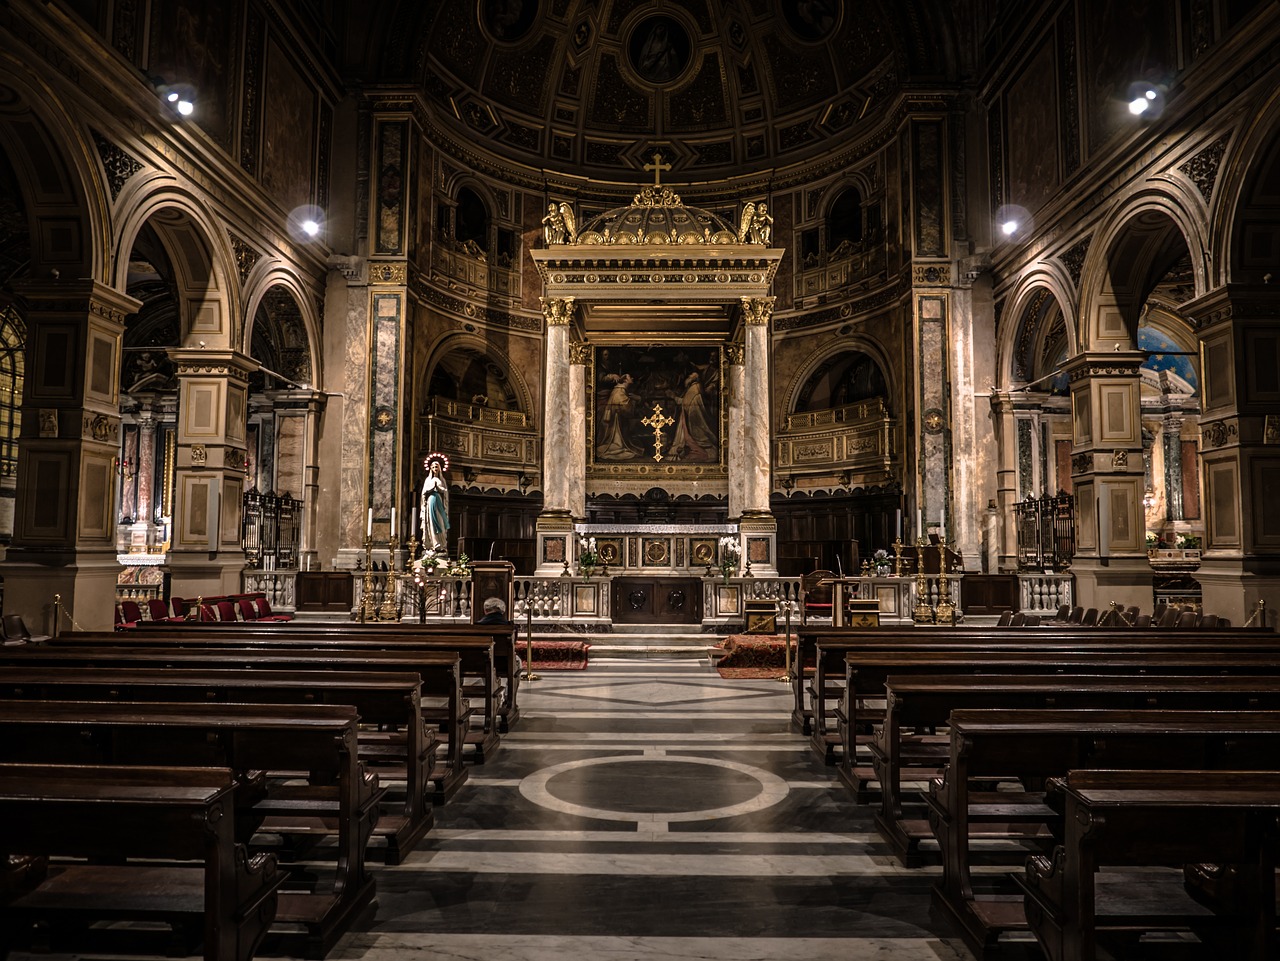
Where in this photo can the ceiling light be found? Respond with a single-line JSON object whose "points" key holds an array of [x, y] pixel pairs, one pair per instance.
{"points": [[1139, 105], [1009, 227], [310, 228]]}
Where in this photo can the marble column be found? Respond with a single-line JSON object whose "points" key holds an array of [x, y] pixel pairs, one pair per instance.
{"points": [[1107, 475], [1173, 466], [555, 523], [758, 525], [65, 524], [1240, 449], [146, 468], [737, 419], [205, 555], [1006, 478], [576, 472]]}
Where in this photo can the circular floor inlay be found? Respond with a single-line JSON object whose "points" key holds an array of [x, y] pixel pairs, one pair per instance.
{"points": [[631, 788]]}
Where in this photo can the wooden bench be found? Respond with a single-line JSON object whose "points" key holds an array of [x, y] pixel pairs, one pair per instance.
{"points": [[317, 742], [476, 653], [821, 681], [111, 817], [1034, 745], [381, 699], [1141, 818], [926, 702], [439, 671]]}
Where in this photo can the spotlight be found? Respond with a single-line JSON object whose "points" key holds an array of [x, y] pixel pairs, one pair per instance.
{"points": [[1012, 221], [179, 97], [306, 223], [1139, 106], [186, 107], [1145, 99]]}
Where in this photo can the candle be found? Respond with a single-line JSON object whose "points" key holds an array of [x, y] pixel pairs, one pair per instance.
{"points": [[920, 522], [368, 531], [897, 522], [942, 522], [393, 522]]}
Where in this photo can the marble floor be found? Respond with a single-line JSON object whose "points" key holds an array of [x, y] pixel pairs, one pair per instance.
{"points": [[649, 809]]}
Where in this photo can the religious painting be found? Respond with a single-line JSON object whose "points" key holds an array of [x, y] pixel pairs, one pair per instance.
{"points": [[288, 131], [702, 552], [508, 20], [1124, 43], [1033, 132], [812, 20], [659, 49], [657, 408]]}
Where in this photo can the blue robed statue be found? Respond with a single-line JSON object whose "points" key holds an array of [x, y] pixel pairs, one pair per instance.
{"points": [[434, 508]]}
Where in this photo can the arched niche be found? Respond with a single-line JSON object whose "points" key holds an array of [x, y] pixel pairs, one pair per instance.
{"points": [[1255, 223], [468, 374], [279, 340], [842, 378]]}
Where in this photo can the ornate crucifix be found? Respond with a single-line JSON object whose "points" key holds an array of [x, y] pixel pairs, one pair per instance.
{"points": [[657, 420], [657, 167]]}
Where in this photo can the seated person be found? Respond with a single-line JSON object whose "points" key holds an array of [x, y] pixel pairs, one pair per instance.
{"points": [[495, 611]]}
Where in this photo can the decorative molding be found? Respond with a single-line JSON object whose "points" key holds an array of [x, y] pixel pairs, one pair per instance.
{"points": [[251, 97], [1119, 458], [557, 311], [230, 372], [1073, 258], [757, 311], [579, 353], [199, 455], [1202, 169], [1219, 433], [1081, 463], [931, 275], [388, 273], [246, 258], [1070, 94], [236, 459], [118, 165], [933, 421], [101, 428], [735, 354]]}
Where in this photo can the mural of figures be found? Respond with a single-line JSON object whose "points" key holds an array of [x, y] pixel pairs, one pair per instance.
{"points": [[659, 49], [684, 381]]}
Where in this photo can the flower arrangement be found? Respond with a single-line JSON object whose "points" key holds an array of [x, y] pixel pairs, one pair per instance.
{"points": [[459, 568], [880, 560], [1187, 541], [730, 553], [588, 555]]}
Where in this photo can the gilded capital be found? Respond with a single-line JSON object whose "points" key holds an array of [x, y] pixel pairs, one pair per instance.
{"points": [[558, 311], [735, 354], [757, 311], [579, 352]]}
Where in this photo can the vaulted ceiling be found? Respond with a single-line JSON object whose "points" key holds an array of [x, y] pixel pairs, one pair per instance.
{"points": [[721, 87]]}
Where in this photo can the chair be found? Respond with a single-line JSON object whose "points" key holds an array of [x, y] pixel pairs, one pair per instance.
{"points": [[208, 613], [158, 608], [1142, 620], [265, 613], [1005, 619], [1017, 620], [1168, 617], [131, 612], [247, 611], [15, 630], [1063, 612], [815, 595], [1209, 620], [226, 611], [1090, 618], [1031, 620], [1076, 615], [1186, 620]]}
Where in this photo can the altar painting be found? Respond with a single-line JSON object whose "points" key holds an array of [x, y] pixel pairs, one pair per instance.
{"points": [[657, 410]]}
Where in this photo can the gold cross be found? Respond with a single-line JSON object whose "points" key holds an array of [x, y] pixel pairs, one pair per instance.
{"points": [[657, 421], [657, 167]]}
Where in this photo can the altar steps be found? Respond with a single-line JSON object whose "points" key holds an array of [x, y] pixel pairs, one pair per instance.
{"points": [[645, 640]]}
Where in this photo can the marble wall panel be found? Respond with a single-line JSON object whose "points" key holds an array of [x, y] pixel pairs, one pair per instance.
{"points": [[290, 456]]}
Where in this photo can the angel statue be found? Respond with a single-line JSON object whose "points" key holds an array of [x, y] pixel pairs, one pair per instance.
{"points": [[558, 226], [756, 225]]}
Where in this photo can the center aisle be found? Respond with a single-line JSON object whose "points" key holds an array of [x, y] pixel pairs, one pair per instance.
{"points": [[651, 809]]}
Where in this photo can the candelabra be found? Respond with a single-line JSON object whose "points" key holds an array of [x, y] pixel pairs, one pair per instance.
{"points": [[897, 557], [923, 613], [368, 612], [945, 612], [390, 610]]}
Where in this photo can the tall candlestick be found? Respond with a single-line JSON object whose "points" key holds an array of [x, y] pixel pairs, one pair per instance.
{"points": [[368, 530]]}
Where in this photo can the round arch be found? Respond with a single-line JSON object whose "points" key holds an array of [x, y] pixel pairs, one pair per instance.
{"points": [[478, 346], [275, 277], [1129, 254], [829, 352], [61, 180], [1047, 279], [1240, 204], [200, 257]]}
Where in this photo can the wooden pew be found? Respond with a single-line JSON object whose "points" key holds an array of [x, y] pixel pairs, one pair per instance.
{"points": [[476, 653], [379, 698], [828, 680], [114, 816], [318, 739], [867, 670], [926, 701], [1133, 818], [439, 672], [503, 636], [1034, 745]]}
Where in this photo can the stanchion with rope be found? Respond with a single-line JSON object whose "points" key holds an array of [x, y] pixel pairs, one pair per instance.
{"points": [[527, 674], [788, 677], [58, 612]]}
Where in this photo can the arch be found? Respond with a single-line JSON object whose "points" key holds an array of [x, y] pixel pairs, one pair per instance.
{"points": [[1130, 253], [843, 221], [1047, 280], [278, 278], [480, 349], [60, 179], [1246, 198], [200, 258], [472, 218], [811, 368]]}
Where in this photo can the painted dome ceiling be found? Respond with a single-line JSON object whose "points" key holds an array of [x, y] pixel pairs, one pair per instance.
{"points": [[593, 87]]}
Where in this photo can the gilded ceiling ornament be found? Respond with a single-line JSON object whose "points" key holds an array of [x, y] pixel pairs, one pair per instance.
{"points": [[757, 311]]}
